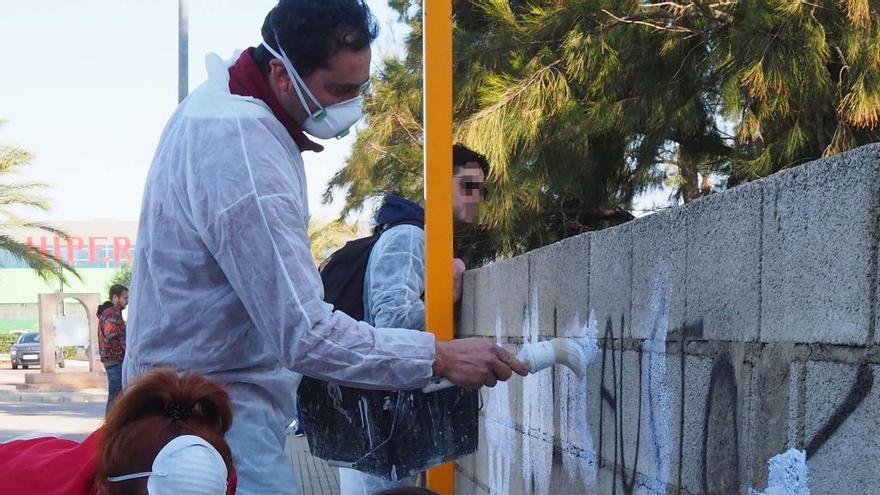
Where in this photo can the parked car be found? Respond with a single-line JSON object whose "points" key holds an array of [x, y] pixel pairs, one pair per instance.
{"points": [[25, 351]]}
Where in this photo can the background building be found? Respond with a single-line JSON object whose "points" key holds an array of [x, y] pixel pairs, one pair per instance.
{"points": [[97, 249]]}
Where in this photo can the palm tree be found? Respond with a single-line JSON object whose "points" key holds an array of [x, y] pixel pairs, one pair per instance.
{"points": [[16, 195]]}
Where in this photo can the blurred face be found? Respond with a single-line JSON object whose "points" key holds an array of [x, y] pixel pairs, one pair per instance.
{"points": [[342, 79], [468, 191], [120, 301]]}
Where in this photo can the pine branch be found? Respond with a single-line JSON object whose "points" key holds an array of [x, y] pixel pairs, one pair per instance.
{"points": [[637, 20]]}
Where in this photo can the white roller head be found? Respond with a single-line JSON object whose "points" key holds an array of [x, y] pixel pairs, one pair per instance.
{"points": [[538, 355]]}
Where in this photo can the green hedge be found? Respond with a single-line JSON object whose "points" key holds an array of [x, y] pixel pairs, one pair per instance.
{"points": [[6, 341]]}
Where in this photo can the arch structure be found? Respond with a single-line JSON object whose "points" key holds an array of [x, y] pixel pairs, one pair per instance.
{"points": [[47, 304]]}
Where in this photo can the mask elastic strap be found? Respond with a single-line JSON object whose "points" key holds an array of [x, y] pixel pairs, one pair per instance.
{"points": [[126, 477], [298, 84]]}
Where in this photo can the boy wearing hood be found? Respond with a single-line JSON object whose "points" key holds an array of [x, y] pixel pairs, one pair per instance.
{"points": [[394, 283]]}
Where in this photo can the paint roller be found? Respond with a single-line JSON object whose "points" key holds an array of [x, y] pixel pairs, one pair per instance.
{"points": [[538, 356]]}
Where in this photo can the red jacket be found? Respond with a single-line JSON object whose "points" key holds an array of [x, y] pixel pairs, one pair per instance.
{"points": [[54, 466], [49, 466], [111, 336]]}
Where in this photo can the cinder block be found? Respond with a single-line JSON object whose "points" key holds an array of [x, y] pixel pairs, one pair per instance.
{"points": [[538, 407], [611, 277], [466, 326], [615, 410], [765, 391], [560, 284], [598, 410], [499, 458], [611, 482], [479, 467], [819, 220], [724, 263], [515, 392], [502, 297], [578, 460], [485, 304], [561, 482], [537, 460], [669, 424], [464, 485], [659, 434], [607, 481], [842, 427], [797, 372], [690, 410], [468, 465], [659, 264]]}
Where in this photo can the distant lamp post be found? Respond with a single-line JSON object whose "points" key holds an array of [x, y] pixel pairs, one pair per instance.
{"points": [[182, 49]]}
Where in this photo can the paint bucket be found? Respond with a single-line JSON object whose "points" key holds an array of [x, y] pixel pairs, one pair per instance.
{"points": [[391, 435]]}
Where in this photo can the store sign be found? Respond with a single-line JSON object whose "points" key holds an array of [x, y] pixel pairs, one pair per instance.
{"points": [[100, 249]]}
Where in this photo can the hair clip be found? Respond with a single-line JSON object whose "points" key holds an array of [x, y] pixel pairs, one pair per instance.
{"points": [[177, 411]]}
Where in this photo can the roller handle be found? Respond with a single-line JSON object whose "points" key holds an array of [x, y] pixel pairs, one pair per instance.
{"points": [[436, 384]]}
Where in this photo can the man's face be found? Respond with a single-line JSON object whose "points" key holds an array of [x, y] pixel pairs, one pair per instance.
{"points": [[120, 301], [342, 79], [468, 191]]}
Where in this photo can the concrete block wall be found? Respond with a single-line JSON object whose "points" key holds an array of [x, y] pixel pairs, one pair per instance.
{"points": [[725, 332]]}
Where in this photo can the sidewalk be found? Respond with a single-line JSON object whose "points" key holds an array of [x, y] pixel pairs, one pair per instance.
{"points": [[315, 476], [9, 379], [89, 395]]}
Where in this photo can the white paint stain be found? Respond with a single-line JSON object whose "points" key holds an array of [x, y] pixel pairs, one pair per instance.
{"points": [[788, 475], [537, 416], [576, 443], [656, 394], [500, 431]]}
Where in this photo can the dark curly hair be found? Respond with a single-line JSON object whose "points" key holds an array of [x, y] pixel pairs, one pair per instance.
{"points": [[461, 155], [313, 31]]}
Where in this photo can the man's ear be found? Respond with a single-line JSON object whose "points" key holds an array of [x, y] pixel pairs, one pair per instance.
{"points": [[278, 76]]}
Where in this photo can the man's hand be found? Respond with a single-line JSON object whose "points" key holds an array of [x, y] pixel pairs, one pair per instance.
{"points": [[475, 362], [458, 269]]}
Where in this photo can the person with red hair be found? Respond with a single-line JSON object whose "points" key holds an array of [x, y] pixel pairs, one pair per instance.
{"points": [[163, 436]]}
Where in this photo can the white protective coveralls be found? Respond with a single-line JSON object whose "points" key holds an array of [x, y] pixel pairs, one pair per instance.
{"points": [[224, 283]]}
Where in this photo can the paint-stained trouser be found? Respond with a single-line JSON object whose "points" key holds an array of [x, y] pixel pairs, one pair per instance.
{"points": [[257, 439], [352, 482]]}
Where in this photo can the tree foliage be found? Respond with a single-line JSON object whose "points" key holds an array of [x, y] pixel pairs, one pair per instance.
{"points": [[327, 237], [121, 276], [580, 105], [16, 195]]}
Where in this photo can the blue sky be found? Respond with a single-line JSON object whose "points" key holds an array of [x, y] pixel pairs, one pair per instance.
{"points": [[88, 85]]}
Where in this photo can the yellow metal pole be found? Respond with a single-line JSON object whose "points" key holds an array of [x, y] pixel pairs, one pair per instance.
{"points": [[437, 64]]}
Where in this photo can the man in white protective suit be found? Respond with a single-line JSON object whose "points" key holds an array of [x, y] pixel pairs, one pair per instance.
{"points": [[224, 282]]}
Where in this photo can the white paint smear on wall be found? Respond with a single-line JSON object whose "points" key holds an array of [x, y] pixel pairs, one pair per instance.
{"points": [[578, 452], [656, 394], [788, 475], [538, 408], [500, 431]]}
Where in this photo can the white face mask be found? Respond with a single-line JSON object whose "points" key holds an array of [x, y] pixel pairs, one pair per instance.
{"points": [[187, 465], [327, 122]]}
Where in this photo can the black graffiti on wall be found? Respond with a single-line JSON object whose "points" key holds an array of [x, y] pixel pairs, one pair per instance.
{"points": [[622, 409], [858, 392], [720, 467], [614, 399], [720, 454]]}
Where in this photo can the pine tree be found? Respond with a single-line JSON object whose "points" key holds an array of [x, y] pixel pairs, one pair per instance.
{"points": [[582, 104]]}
